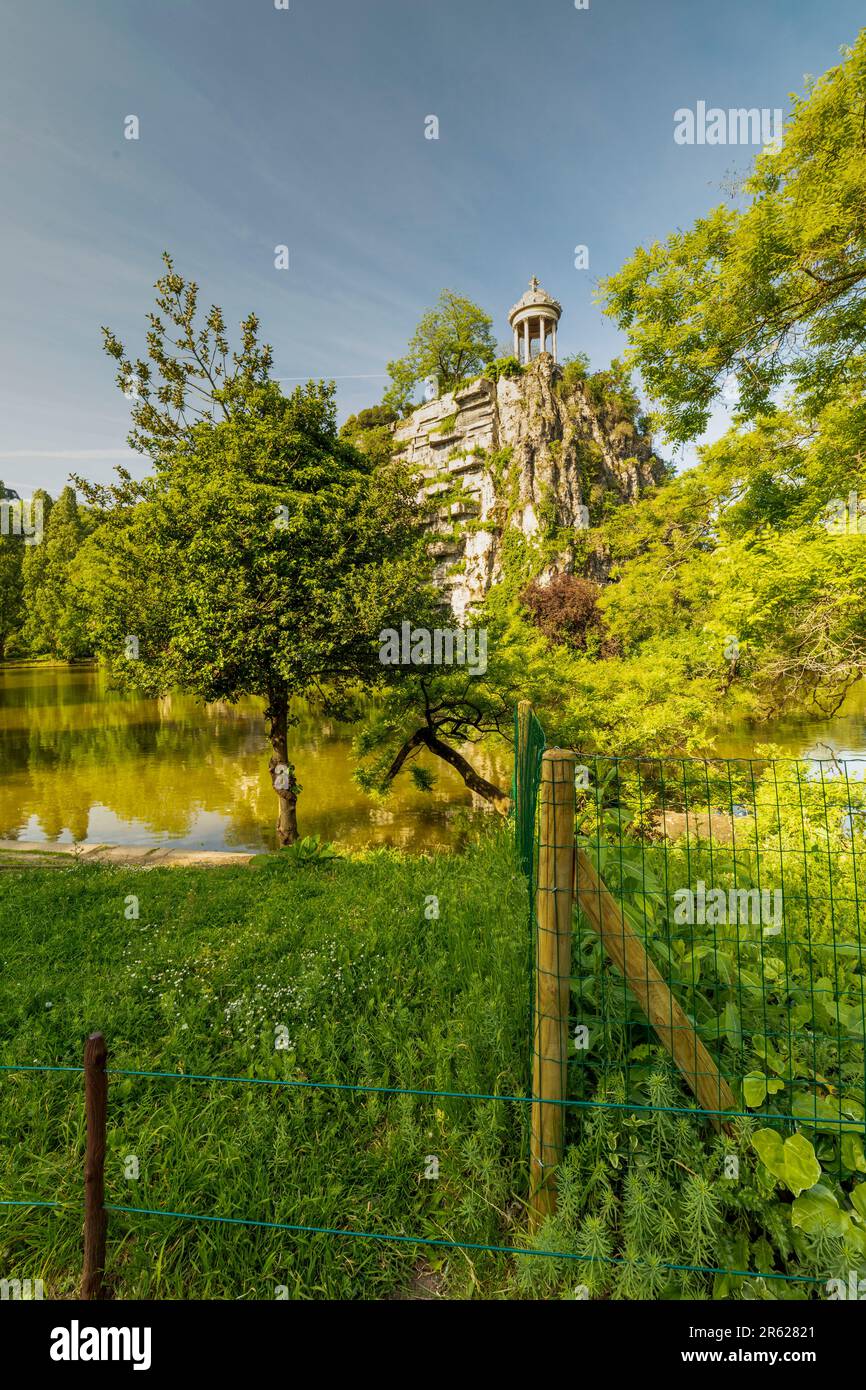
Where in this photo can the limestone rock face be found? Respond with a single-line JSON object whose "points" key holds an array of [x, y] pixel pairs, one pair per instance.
{"points": [[529, 456]]}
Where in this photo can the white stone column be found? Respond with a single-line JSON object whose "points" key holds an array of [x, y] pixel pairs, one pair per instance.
{"points": [[554, 339], [526, 340], [541, 334], [516, 345]]}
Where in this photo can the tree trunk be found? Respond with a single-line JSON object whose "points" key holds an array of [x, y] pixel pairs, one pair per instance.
{"points": [[474, 781], [281, 770]]}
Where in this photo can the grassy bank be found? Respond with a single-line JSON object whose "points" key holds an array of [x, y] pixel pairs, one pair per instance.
{"points": [[367, 987]]}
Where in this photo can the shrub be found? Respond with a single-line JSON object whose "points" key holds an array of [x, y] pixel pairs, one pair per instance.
{"points": [[566, 610], [502, 366]]}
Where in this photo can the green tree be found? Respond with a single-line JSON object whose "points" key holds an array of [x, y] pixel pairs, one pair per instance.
{"points": [[264, 553], [33, 569], [450, 708], [438, 711], [55, 621], [770, 293], [453, 340], [11, 559]]}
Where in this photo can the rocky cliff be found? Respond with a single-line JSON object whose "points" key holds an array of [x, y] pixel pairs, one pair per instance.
{"points": [[539, 452]]}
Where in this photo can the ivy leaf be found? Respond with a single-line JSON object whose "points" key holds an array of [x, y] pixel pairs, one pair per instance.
{"points": [[732, 1025], [852, 1153], [825, 1113], [792, 1162], [755, 1091], [819, 1214], [802, 1169], [771, 1151]]}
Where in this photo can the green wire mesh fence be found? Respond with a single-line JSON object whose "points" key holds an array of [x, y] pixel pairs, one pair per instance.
{"points": [[528, 747], [741, 878], [704, 1009], [698, 1027]]}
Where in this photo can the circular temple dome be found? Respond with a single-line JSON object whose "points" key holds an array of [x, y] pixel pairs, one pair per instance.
{"points": [[533, 320], [535, 298]]}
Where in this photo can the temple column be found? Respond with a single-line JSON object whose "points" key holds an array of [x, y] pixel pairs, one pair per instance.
{"points": [[534, 318]]}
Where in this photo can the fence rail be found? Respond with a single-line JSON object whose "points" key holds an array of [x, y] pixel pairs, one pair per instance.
{"points": [[712, 908]]}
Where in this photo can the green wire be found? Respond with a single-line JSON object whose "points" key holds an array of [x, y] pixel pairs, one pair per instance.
{"points": [[420, 1240]]}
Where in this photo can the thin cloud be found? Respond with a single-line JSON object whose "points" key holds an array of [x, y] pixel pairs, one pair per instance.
{"points": [[73, 455]]}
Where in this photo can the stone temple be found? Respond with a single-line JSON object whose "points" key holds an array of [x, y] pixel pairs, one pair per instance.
{"points": [[533, 452], [534, 319]]}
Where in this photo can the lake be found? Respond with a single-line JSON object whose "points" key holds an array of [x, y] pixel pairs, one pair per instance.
{"points": [[82, 763]]}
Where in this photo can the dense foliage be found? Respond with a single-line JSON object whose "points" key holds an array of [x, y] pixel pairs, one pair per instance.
{"points": [[650, 1204], [453, 340]]}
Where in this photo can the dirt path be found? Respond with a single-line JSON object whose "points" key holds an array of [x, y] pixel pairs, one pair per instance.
{"points": [[24, 854]]}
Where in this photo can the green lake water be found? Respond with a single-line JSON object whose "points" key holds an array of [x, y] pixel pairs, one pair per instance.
{"points": [[85, 764], [82, 763]]}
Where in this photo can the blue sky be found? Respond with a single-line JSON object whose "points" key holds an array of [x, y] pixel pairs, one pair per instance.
{"points": [[305, 127]]}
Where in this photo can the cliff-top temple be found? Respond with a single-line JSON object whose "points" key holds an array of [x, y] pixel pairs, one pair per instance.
{"points": [[533, 319], [531, 449]]}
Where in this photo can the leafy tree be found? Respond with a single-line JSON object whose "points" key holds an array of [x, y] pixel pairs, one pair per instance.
{"points": [[264, 553], [55, 621], [11, 558], [371, 432], [752, 594], [453, 340], [566, 610], [374, 417], [449, 709], [33, 567], [770, 293], [439, 712]]}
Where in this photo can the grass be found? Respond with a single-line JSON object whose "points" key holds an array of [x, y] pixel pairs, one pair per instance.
{"points": [[364, 985]]}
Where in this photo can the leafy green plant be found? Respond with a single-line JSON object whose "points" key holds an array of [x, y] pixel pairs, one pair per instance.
{"points": [[310, 849], [653, 1205]]}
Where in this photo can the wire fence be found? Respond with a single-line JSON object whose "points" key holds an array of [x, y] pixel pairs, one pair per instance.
{"points": [[698, 998], [711, 976], [742, 877]]}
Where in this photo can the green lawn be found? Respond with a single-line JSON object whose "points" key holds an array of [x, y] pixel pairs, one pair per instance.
{"points": [[343, 958]]}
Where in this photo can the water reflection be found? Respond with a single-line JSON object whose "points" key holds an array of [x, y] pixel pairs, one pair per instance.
{"points": [[841, 736], [82, 763]]}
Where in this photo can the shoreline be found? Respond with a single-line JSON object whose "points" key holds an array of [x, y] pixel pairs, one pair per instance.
{"points": [[36, 854]]}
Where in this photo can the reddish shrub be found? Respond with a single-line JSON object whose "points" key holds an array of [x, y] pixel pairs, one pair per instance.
{"points": [[566, 610]]}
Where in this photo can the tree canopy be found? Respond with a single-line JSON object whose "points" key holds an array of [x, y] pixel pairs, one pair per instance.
{"points": [[264, 553], [770, 293], [453, 340]]}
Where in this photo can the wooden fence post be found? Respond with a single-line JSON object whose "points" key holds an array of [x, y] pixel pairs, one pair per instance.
{"points": [[95, 1215], [554, 901]]}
